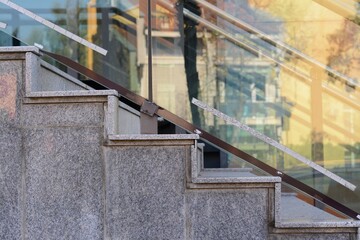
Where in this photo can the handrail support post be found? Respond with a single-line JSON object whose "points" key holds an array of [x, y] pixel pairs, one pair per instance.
{"points": [[148, 118]]}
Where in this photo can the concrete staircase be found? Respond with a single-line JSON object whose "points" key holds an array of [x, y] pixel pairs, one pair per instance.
{"points": [[74, 166]]}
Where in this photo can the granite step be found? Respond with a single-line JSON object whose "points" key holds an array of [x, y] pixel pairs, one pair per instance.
{"points": [[296, 213], [232, 175]]}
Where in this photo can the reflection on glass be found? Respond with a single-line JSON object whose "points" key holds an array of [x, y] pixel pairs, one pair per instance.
{"points": [[109, 24], [293, 78]]}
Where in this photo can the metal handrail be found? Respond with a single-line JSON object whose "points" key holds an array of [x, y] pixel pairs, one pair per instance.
{"points": [[138, 100]]}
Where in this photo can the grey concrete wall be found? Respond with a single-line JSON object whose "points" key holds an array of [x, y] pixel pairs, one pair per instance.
{"points": [[41, 76], [63, 190], [129, 120], [11, 154], [51, 164], [52, 79], [227, 214], [145, 188]]}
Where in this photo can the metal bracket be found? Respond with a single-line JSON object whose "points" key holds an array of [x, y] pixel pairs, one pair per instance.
{"points": [[149, 108]]}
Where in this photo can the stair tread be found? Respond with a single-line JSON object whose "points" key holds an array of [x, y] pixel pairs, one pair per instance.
{"points": [[227, 174], [233, 176], [297, 213]]}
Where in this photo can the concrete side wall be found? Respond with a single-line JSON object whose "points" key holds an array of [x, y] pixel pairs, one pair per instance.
{"points": [[11, 152], [145, 188], [129, 120], [52, 81], [51, 164], [63, 175], [227, 213], [41, 76]]}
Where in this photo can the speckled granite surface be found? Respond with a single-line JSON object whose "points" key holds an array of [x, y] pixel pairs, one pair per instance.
{"points": [[63, 183], [226, 214], [11, 165], [145, 192]]}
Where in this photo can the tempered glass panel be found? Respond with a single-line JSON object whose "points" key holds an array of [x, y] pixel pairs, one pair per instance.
{"points": [[292, 77], [215, 157], [168, 60], [297, 206], [109, 25]]}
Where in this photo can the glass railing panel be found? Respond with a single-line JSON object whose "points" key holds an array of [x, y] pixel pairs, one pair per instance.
{"points": [[298, 206], [170, 86], [112, 26], [333, 24], [215, 157], [284, 87]]}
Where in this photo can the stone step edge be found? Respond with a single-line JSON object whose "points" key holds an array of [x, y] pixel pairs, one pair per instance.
{"points": [[151, 139], [223, 180], [75, 93], [332, 224]]}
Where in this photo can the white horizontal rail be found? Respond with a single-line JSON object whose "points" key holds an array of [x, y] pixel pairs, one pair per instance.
{"points": [[2, 25], [55, 27], [273, 143], [235, 40]]}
